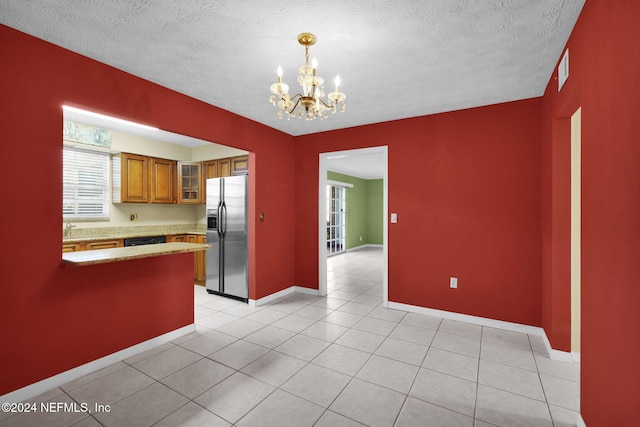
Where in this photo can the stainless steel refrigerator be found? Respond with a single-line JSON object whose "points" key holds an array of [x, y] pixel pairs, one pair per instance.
{"points": [[227, 235]]}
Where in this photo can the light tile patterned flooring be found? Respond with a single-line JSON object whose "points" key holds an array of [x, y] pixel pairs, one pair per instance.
{"points": [[337, 361]]}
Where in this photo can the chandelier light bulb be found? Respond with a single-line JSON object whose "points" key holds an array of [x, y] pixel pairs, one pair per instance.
{"points": [[314, 62], [279, 71], [337, 81]]}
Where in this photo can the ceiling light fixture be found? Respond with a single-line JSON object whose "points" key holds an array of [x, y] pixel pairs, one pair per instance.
{"points": [[311, 102]]}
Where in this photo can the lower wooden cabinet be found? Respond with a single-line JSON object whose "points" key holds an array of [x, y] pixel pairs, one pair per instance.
{"points": [[72, 247], [92, 244], [104, 244], [199, 261]]}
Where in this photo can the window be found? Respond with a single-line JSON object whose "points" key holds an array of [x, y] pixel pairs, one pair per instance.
{"points": [[85, 184]]}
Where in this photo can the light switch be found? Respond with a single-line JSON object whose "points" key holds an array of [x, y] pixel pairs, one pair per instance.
{"points": [[394, 218], [453, 282]]}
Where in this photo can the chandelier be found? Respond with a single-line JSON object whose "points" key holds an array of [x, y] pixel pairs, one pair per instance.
{"points": [[309, 104]]}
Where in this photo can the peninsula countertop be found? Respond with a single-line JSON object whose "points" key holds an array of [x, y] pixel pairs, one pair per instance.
{"points": [[101, 256]]}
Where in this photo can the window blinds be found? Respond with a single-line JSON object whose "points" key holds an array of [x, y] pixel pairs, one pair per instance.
{"points": [[85, 182]]}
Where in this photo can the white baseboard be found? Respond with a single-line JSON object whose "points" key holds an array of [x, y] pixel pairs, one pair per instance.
{"points": [[562, 356], [576, 356], [50, 383], [367, 245], [482, 321], [559, 355], [281, 294]]}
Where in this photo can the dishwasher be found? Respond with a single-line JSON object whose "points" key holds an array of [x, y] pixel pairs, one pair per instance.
{"points": [[139, 241]]}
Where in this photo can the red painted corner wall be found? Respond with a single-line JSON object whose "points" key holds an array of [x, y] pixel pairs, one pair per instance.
{"points": [[604, 64], [467, 189], [59, 318]]}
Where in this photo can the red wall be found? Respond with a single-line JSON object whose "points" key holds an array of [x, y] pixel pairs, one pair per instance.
{"points": [[59, 318], [467, 189], [604, 80]]}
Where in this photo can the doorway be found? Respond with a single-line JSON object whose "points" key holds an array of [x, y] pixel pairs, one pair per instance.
{"points": [[355, 158]]}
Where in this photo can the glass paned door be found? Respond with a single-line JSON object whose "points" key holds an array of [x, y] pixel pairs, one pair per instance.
{"points": [[336, 219]]}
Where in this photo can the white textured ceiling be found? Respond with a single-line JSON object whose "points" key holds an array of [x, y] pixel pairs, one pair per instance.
{"points": [[396, 58]]}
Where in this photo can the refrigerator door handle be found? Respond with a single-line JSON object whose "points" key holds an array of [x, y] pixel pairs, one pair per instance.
{"points": [[220, 220], [224, 216]]}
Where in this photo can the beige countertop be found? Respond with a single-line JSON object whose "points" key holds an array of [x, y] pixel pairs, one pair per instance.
{"points": [[81, 235], [101, 256]]}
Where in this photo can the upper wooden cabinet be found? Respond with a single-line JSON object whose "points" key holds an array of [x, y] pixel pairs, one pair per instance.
{"points": [[210, 169], [142, 179], [134, 174], [239, 165], [226, 167], [162, 180], [189, 182]]}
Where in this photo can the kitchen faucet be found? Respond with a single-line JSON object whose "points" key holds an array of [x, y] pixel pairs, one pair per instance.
{"points": [[67, 229]]}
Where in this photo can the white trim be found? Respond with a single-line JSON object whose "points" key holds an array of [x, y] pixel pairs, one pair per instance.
{"points": [[482, 321], [339, 184], [281, 294], [581, 422], [50, 383], [561, 356], [322, 207], [367, 245]]}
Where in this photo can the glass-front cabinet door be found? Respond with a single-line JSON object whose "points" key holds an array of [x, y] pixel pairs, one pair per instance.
{"points": [[189, 182]]}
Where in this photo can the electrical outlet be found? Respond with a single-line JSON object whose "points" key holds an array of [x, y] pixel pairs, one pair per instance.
{"points": [[453, 282], [133, 217], [361, 238]]}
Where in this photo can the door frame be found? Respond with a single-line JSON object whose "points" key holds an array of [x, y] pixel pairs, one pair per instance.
{"points": [[322, 208]]}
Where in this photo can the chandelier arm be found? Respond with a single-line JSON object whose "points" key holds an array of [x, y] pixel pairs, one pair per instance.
{"points": [[294, 105], [325, 104]]}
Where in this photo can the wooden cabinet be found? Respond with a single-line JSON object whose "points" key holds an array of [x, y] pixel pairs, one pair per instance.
{"points": [[239, 165], [216, 168], [72, 247], [92, 244], [190, 182], [103, 244], [162, 179], [200, 260], [142, 179], [134, 175], [226, 167], [210, 169]]}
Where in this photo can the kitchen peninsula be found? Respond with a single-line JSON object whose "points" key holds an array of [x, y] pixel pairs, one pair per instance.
{"points": [[101, 256]]}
